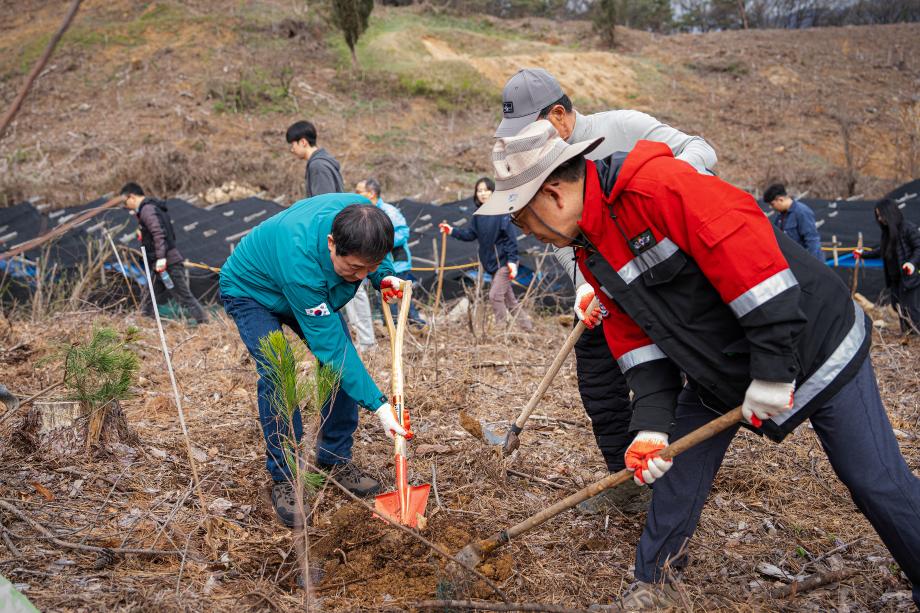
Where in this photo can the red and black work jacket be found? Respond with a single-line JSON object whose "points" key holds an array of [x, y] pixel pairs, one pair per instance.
{"points": [[697, 281]]}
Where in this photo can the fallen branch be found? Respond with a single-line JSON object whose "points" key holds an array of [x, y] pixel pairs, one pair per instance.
{"points": [[485, 605], [62, 229], [39, 67], [810, 583], [433, 546], [79, 546]]}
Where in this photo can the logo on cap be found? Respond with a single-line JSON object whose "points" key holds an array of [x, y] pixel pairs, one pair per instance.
{"points": [[507, 107]]}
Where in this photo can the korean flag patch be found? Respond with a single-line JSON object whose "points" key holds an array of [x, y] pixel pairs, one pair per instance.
{"points": [[320, 310]]}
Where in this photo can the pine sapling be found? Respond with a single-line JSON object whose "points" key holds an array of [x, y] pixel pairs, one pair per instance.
{"points": [[293, 392]]}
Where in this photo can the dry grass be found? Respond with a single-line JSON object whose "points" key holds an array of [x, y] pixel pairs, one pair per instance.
{"points": [[766, 506]]}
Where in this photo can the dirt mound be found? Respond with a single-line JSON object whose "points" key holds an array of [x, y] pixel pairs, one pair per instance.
{"points": [[366, 559]]}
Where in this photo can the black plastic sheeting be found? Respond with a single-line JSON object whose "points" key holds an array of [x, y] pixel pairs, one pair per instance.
{"points": [[845, 219], [208, 235], [425, 245]]}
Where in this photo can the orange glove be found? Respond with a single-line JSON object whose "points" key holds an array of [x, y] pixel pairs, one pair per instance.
{"points": [[391, 289], [642, 457], [583, 298], [445, 227]]}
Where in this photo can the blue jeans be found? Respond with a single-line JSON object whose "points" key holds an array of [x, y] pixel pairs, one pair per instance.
{"points": [[856, 436], [339, 414]]}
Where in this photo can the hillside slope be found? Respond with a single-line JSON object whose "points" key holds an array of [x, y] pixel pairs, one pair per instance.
{"points": [[186, 95]]}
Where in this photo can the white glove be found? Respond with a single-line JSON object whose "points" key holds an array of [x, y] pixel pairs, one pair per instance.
{"points": [[391, 289], [583, 297], [160, 265], [512, 270], [387, 416], [908, 268], [642, 457], [445, 227], [766, 399]]}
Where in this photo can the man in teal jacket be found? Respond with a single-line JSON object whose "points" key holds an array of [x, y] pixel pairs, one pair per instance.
{"points": [[298, 268], [402, 257]]}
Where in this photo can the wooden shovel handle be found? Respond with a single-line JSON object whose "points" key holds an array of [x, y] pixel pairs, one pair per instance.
{"points": [[682, 444], [573, 337]]}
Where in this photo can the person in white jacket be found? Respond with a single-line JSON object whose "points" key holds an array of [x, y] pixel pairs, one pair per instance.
{"points": [[534, 94]]}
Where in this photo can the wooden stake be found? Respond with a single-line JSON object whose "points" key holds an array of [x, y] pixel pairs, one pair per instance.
{"points": [[437, 296], [856, 261]]}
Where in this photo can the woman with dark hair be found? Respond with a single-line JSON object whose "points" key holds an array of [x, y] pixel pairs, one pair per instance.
{"points": [[498, 253], [900, 252]]}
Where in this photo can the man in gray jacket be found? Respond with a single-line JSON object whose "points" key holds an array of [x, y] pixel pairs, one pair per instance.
{"points": [[323, 174], [534, 94]]}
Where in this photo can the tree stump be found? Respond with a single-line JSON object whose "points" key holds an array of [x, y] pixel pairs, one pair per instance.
{"points": [[66, 428]]}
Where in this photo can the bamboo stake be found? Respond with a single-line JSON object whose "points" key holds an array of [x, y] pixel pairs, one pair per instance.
{"points": [[856, 261], [178, 397], [124, 271]]}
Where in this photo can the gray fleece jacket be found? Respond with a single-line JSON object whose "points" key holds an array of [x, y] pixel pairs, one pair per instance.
{"points": [[323, 175], [621, 131]]}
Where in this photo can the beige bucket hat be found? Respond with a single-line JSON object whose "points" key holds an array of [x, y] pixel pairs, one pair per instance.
{"points": [[522, 163]]}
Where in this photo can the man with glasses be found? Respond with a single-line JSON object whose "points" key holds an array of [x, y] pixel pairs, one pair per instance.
{"points": [[534, 94], [710, 307]]}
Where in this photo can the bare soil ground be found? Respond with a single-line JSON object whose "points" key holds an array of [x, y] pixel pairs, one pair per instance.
{"points": [[185, 95], [771, 504]]}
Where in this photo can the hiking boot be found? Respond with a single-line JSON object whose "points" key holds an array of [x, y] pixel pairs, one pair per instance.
{"points": [[284, 502], [353, 479], [642, 596], [628, 498]]}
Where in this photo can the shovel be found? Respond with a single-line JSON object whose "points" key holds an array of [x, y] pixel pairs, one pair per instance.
{"points": [[473, 553], [512, 441], [407, 504]]}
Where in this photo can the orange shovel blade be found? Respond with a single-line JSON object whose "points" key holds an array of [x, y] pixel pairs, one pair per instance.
{"points": [[388, 504]]}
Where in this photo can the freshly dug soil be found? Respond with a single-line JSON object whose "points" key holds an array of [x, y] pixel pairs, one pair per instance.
{"points": [[366, 559]]}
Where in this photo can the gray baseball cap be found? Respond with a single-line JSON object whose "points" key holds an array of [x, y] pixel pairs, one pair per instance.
{"points": [[526, 94]]}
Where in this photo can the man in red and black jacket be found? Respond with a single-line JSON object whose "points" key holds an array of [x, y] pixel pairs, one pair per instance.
{"points": [[697, 285]]}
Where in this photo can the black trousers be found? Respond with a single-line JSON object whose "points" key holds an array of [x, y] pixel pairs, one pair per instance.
{"points": [[180, 292], [907, 303], [856, 436], [605, 396]]}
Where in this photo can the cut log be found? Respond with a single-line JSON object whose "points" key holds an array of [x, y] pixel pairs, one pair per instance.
{"points": [[66, 428]]}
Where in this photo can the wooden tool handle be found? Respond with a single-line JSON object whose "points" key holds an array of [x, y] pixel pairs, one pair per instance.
{"points": [[437, 296], [574, 335], [677, 447]]}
